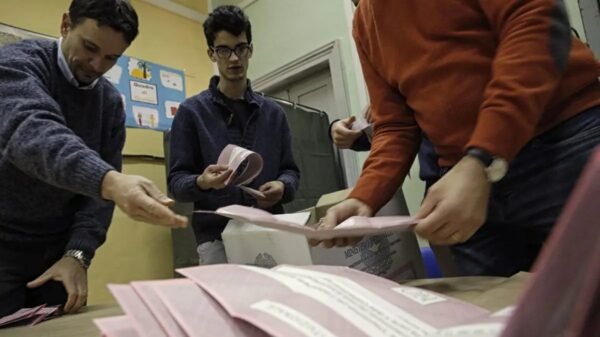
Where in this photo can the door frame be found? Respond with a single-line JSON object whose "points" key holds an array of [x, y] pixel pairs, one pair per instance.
{"points": [[590, 17], [326, 56]]}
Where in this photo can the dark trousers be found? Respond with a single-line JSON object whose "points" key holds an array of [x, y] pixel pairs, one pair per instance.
{"points": [[22, 263], [524, 206]]}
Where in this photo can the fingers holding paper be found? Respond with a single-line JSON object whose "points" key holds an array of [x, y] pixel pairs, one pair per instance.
{"points": [[338, 213], [273, 192], [214, 176], [456, 206], [342, 133]]}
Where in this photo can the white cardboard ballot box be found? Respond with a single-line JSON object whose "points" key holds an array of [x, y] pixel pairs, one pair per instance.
{"points": [[394, 256]]}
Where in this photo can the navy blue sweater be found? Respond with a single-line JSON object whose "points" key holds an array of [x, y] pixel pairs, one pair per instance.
{"points": [[200, 131], [56, 144]]}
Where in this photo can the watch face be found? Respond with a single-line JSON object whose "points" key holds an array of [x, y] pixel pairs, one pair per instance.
{"points": [[497, 170]]}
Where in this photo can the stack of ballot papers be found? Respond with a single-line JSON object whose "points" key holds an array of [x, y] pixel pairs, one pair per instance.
{"points": [[237, 300], [296, 223], [30, 316]]}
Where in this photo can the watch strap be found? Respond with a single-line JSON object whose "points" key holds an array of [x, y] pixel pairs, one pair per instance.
{"points": [[80, 256], [482, 155]]}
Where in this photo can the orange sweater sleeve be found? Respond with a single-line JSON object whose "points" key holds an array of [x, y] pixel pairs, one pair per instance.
{"points": [[396, 139], [534, 40]]}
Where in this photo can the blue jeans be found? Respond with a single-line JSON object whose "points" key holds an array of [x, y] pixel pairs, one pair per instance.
{"points": [[524, 206]]}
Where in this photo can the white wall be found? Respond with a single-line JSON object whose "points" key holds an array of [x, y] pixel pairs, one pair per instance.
{"points": [[575, 17]]}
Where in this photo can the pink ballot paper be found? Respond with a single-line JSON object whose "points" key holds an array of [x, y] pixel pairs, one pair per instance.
{"points": [[353, 226], [198, 313], [361, 124], [142, 318], [117, 326], [31, 316], [333, 301], [236, 301], [245, 164], [147, 292]]}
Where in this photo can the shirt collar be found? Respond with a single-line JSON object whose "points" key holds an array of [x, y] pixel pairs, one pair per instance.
{"points": [[66, 71]]}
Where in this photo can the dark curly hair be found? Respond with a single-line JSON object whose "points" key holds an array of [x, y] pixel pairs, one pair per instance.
{"points": [[227, 18], [117, 14]]}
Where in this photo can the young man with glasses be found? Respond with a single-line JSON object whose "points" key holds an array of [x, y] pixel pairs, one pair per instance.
{"points": [[229, 112]]}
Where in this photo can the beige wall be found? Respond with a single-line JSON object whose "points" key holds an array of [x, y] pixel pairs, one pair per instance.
{"points": [[133, 250], [164, 38]]}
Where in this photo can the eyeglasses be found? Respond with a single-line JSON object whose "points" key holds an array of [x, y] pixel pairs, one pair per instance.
{"points": [[224, 52]]}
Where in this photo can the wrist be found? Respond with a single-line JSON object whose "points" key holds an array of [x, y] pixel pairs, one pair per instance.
{"points": [[79, 256], [282, 183], [201, 183], [495, 168], [475, 166], [109, 184]]}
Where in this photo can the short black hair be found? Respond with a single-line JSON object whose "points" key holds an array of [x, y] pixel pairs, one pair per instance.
{"points": [[227, 18], [117, 14]]}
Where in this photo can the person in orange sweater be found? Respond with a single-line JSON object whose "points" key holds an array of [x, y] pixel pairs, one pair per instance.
{"points": [[510, 101]]}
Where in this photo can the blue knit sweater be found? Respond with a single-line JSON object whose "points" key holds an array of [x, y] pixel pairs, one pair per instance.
{"points": [[199, 133], [56, 144]]}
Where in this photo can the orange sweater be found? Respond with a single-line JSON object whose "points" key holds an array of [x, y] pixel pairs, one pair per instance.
{"points": [[469, 73]]}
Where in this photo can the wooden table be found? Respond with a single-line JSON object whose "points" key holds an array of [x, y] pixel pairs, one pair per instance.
{"points": [[491, 293]]}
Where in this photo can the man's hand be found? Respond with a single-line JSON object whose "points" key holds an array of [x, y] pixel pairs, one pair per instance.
{"points": [[456, 206], [342, 134], [139, 198], [72, 275], [339, 213], [273, 191], [214, 176]]}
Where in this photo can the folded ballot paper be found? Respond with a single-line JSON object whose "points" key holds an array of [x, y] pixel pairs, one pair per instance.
{"points": [[245, 164], [361, 124], [237, 300], [296, 222], [30, 316]]}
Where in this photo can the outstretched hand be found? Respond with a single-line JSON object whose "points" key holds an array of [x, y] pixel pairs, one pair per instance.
{"points": [[139, 198]]}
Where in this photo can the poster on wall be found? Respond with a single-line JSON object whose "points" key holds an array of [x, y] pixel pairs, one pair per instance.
{"points": [[151, 92]]}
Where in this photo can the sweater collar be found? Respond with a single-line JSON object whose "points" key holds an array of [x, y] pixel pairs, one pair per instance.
{"points": [[66, 71], [217, 96]]}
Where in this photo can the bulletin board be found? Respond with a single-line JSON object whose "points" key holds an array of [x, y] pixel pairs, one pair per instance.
{"points": [[151, 92]]}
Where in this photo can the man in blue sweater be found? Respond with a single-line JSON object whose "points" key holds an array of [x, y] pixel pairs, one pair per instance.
{"points": [[61, 135], [229, 112]]}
